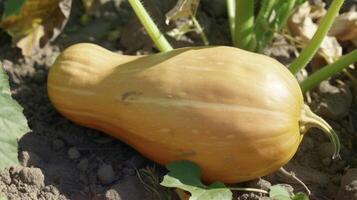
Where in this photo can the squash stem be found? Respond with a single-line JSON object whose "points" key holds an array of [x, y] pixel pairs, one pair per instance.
{"points": [[310, 120], [156, 36]]}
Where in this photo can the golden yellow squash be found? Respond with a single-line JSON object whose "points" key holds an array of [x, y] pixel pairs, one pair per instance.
{"points": [[237, 114]]}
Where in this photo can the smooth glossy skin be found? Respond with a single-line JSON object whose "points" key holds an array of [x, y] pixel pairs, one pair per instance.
{"points": [[233, 112]]}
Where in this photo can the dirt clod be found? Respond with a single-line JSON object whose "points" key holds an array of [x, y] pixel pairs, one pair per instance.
{"points": [[112, 195], [106, 174], [57, 144], [335, 102], [32, 176], [73, 153]]}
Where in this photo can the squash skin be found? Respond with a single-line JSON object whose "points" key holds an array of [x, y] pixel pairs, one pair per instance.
{"points": [[234, 113]]}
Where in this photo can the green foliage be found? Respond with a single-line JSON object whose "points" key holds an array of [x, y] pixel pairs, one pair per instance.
{"points": [[13, 124], [13, 7], [278, 192], [186, 176]]}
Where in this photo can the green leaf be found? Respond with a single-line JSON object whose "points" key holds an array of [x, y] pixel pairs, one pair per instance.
{"points": [[186, 175], [300, 196], [279, 193], [13, 7], [13, 124]]}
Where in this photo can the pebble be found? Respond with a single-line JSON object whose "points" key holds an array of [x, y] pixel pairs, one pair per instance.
{"points": [[106, 174], [112, 195], [335, 101], [73, 153], [57, 144]]}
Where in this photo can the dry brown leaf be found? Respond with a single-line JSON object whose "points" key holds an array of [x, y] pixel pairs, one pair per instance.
{"points": [[39, 21], [182, 9], [303, 27], [345, 26]]}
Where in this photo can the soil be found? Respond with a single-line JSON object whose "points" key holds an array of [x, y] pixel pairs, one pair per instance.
{"points": [[61, 160]]}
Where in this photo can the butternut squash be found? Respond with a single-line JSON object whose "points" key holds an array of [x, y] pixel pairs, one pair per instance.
{"points": [[237, 114]]}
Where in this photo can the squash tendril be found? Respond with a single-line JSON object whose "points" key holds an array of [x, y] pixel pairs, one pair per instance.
{"points": [[311, 120]]}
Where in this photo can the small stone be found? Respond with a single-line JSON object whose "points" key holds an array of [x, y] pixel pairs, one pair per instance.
{"points": [[32, 176], [131, 188], [106, 174], [57, 144], [335, 101], [83, 164], [73, 153], [112, 195]]}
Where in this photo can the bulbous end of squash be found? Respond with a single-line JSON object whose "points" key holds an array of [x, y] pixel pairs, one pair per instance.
{"points": [[309, 120]]}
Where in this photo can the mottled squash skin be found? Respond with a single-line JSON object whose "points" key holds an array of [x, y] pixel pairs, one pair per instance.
{"points": [[234, 113]]}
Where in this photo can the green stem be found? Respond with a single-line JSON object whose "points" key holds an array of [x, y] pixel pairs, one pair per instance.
{"points": [[283, 10], [309, 51], [329, 70], [200, 31], [156, 36], [284, 13], [244, 28], [231, 11], [262, 22]]}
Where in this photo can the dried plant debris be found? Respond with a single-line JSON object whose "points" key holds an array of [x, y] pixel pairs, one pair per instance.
{"points": [[182, 9], [344, 27], [38, 22], [303, 24]]}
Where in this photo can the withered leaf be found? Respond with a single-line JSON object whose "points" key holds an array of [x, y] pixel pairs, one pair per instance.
{"points": [[303, 27], [183, 9], [345, 26], [38, 22]]}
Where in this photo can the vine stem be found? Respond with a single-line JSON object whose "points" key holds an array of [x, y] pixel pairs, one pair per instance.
{"points": [[244, 26], [293, 176], [156, 36], [200, 30], [309, 51], [329, 70], [231, 11]]}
